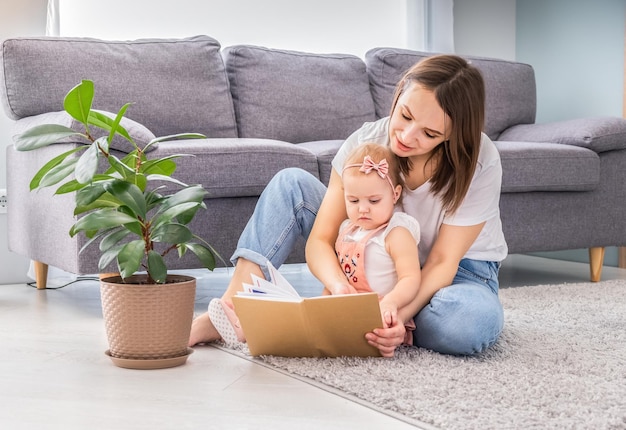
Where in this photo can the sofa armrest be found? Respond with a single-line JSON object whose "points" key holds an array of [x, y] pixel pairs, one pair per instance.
{"points": [[599, 134], [140, 134]]}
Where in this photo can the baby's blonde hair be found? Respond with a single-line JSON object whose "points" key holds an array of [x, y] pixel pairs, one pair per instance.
{"points": [[377, 153]]}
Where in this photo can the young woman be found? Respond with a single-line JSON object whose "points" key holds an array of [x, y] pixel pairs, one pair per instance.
{"points": [[452, 187]]}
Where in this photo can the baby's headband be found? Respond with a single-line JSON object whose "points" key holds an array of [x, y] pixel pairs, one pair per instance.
{"points": [[368, 165]]}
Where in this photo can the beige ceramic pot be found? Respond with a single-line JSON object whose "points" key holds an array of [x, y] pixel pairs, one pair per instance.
{"points": [[148, 326]]}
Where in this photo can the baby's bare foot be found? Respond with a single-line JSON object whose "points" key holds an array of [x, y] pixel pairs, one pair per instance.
{"points": [[202, 330]]}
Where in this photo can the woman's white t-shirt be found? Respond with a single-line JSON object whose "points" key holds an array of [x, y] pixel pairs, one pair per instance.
{"points": [[481, 204]]}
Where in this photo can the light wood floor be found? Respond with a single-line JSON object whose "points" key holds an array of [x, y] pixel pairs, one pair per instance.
{"points": [[54, 374]]}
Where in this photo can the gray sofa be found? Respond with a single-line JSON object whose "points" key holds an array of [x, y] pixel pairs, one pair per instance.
{"points": [[564, 184]]}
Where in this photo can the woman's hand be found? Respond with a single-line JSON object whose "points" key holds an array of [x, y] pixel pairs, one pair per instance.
{"points": [[387, 339]]}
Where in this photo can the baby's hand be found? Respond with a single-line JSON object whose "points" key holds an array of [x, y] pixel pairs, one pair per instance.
{"points": [[340, 288], [389, 313]]}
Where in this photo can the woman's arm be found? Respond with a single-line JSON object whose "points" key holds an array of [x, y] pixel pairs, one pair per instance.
{"points": [[402, 248], [442, 263], [320, 246], [439, 270]]}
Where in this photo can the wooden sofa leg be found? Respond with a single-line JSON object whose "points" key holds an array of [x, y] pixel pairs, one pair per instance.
{"points": [[41, 275], [621, 258], [596, 260]]}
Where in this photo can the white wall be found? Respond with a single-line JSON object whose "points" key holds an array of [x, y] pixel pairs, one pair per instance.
{"points": [[17, 18], [346, 26], [577, 50], [485, 28]]}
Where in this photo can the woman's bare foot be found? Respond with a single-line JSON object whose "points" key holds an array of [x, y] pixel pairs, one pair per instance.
{"points": [[202, 330]]}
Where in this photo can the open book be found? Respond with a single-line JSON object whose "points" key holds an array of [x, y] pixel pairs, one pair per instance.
{"points": [[277, 321]]}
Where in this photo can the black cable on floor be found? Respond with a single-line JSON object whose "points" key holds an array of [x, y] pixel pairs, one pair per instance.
{"points": [[79, 279]]}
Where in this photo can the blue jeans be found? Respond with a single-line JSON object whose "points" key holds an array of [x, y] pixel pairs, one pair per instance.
{"points": [[464, 318]]}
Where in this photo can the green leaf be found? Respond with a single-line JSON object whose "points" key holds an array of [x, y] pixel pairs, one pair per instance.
{"points": [[58, 172], [116, 124], [36, 181], [162, 166], [103, 145], [78, 101], [174, 137], [103, 202], [135, 228], [156, 267], [129, 258], [101, 219], [153, 199], [103, 121], [129, 194], [204, 254], [171, 233], [193, 193], [172, 213], [108, 257], [99, 235], [89, 194], [70, 187], [187, 216], [43, 135], [112, 238], [73, 185], [129, 160], [89, 233], [166, 179], [141, 181], [87, 164], [120, 167]]}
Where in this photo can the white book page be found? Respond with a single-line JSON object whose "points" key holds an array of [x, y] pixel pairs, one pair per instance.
{"points": [[276, 287], [279, 280]]}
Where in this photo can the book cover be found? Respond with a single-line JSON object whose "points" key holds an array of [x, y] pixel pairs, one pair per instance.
{"points": [[277, 321]]}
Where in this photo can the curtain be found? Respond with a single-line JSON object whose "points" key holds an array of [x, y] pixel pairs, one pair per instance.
{"points": [[440, 26], [53, 21], [430, 25]]}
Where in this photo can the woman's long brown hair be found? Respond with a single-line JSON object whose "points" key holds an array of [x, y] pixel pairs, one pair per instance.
{"points": [[460, 91]]}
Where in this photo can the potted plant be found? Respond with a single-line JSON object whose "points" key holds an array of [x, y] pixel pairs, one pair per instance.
{"points": [[121, 204]]}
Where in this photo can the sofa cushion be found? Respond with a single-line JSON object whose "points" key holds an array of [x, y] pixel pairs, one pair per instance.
{"points": [[599, 134], [235, 167], [175, 85], [530, 166], [510, 86], [140, 134], [297, 96], [325, 151]]}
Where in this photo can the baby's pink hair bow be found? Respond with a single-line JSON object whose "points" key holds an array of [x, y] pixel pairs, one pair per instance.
{"points": [[368, 165], [382, 168]]}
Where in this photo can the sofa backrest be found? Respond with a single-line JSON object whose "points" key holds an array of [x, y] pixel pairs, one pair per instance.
{"points": [[187, 85], [510, 86], [297, 96], [175, 85]]}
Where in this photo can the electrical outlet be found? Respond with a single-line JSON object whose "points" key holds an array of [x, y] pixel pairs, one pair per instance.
{"points": [[3, 201]]}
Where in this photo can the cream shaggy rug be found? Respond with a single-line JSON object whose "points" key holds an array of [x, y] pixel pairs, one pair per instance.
{"points": [[559, 364]]}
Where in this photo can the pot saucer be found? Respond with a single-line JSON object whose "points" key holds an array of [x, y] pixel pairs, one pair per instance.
{"points": [[144, 364]]}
